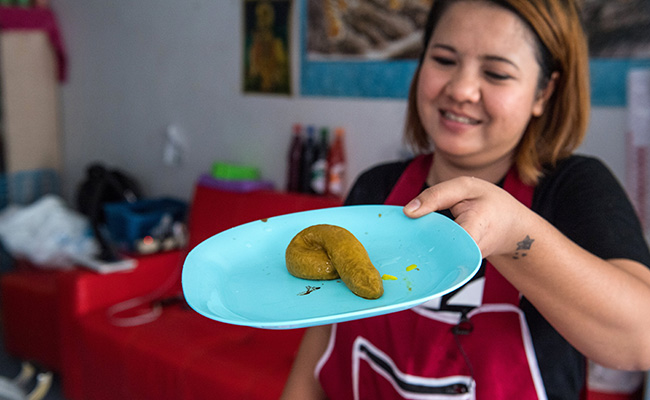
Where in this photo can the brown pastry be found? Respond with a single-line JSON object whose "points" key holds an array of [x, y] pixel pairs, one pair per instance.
{"points": [[324, 252]]}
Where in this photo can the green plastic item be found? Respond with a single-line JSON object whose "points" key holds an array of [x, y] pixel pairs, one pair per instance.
{"points": [[234, 172]]}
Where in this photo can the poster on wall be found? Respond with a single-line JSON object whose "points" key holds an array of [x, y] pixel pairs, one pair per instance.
{"points": [[366, 48], [360, 48], [267, 36]]}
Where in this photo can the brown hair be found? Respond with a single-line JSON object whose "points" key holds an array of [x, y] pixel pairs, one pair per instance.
{"points": [[562, 48]]}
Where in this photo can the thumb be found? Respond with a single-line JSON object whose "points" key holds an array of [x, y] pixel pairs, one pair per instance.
{"points": [[444, 195]]}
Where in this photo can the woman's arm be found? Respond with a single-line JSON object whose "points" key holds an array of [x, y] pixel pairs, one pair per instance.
{"points": [[599, 306], [302, 384]]}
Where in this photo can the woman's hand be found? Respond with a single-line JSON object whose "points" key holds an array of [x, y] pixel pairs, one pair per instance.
{"points": [[491, 216], [562, 280]]}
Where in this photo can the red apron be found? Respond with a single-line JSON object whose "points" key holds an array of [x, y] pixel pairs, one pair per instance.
{"points": [[423, 353]]}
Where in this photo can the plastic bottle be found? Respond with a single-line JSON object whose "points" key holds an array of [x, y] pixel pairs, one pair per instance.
{"points": [[319, 170], [337, 164], [294, 160], [308, 156]]}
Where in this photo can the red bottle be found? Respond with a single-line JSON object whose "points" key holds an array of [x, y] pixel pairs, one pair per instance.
{"points": [[295, 160], [336, 161]]}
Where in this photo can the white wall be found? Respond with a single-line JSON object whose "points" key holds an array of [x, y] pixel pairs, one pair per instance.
{"points": [[138, 66]]}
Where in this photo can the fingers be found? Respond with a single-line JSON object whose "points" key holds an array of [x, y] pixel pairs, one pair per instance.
{"points": [[473, 202], [443, 196]]}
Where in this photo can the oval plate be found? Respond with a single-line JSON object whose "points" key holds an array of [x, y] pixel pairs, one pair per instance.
{"points": [[239, 276]]}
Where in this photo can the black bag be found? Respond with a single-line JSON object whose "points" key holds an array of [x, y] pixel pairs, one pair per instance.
{"points": [[101, 186]]}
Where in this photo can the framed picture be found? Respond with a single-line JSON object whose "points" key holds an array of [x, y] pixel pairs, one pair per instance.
{"points": [[369, 49], [267, 35], [360, 48]]}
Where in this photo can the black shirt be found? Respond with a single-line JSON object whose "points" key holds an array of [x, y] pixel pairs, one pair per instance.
{"points": [[585, 202]]}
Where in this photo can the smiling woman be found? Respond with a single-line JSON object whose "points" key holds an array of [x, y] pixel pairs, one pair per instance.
{"points": [[563, 126], [478, 88], [497, 106]]}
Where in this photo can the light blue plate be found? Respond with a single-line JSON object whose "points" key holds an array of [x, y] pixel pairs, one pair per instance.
{"points": [[239, 276]]}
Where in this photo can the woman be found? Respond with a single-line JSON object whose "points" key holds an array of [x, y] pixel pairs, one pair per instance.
{"points": [[501, 99]]}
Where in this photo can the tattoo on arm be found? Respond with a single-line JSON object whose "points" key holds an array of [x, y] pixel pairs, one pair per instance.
{"points": [[523, 247]]}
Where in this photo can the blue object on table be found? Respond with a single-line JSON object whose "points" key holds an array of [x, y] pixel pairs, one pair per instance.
{"points": [[127, 222]]}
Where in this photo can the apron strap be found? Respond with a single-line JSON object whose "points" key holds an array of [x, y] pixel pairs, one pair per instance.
{"points": [[409, 185]]}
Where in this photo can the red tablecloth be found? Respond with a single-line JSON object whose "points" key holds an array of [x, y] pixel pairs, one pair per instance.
{"points": [[183, 355]]}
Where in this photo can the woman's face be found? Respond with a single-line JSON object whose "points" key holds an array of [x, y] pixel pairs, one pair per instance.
{"points": [[477, 86]]}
